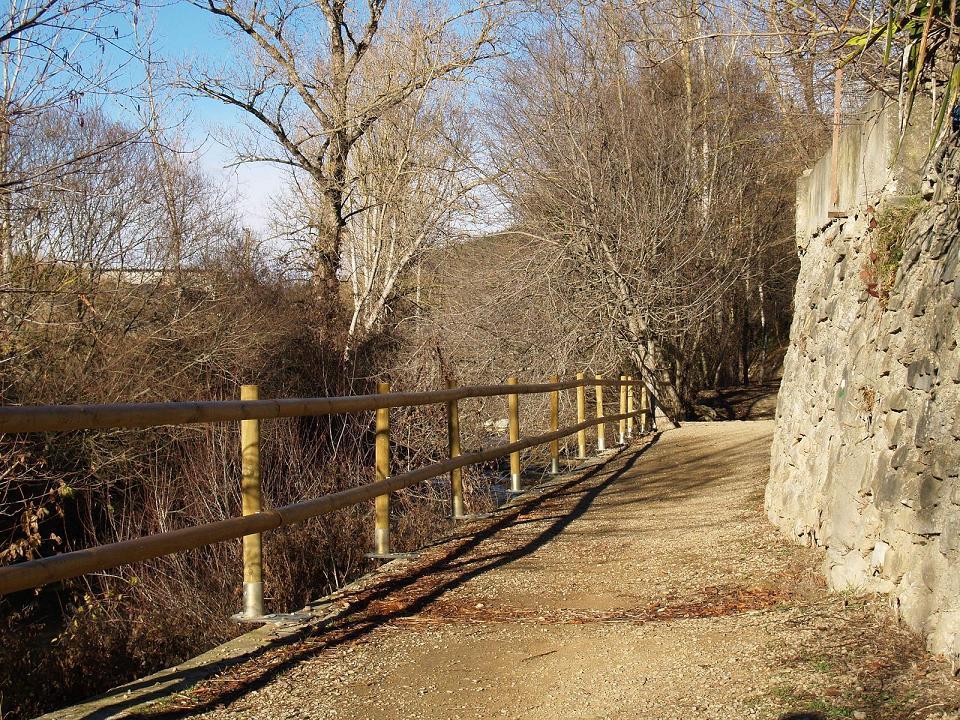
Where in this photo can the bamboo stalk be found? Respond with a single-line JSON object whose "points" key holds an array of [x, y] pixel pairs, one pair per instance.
{"points": [[453, 445], [251, 501], [645, 423], [581, 417], [651, 408], [601, 428], [58, 418], [554, 425], [382, 472], [623, 410], [513, 410]]}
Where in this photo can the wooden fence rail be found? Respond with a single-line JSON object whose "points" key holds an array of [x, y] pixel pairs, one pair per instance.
{"points": [[35, 573]]}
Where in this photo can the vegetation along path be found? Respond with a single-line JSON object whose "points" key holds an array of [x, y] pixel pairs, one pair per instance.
{"points": [[648, 585]]}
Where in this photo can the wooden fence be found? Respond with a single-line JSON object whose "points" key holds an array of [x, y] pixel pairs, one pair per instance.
{"points": [[250, 410]]}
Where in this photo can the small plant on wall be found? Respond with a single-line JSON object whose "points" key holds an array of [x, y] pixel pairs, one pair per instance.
{"points": [[888, 229]]}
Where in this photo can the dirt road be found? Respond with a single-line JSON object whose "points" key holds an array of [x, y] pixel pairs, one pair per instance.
{"points": [[650, 586]]}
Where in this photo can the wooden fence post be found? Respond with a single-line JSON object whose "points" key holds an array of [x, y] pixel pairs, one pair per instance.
{"points": [[252, 502], [623, 409], [382, 502], [630, 407], [453, 442], [513, 408], [581, 417], [554, 425], [601, 430]]}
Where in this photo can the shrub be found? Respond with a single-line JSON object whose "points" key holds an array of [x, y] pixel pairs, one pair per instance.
{"points": [[888, 234], [71, 490]]}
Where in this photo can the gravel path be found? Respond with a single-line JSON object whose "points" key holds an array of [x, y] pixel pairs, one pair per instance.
{"points": [[650, 586]]}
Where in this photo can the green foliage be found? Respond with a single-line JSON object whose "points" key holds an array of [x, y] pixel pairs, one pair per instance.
{"points": [[889, 230], [921, 27], [822, 666], [828, 709]]}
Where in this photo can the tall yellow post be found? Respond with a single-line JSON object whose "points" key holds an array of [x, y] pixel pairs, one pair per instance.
{"points": [[453, 442], [554, 426], [581, 417], [251, 502], [601, 431], [382, 507], [630, 407], [513, 407], [623, 409]]}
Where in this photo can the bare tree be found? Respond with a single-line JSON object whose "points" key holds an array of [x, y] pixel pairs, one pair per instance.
{"points": [[413, 180], [311, 95], [650, 234], [52, 61]]}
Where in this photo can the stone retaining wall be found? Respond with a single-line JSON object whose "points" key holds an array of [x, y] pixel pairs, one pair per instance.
{"points": [[867, 447]]}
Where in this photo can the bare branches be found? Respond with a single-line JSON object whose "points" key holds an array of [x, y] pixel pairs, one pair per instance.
{"points": [[318, 96], [636, 193]]}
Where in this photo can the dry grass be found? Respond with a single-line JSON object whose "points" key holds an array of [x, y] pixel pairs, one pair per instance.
{"points": [[75, 490]]}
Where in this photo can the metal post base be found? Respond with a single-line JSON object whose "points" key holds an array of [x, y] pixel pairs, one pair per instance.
{"points": [[273, 619], [381, 541], [392, 556], [253, 599]]}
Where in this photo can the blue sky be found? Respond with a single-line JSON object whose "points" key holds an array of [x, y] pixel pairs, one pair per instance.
{"points": [[183, 32]]}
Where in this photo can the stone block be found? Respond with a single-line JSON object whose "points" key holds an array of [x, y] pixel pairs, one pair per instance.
{"points": [[929, 425], [921, 374], [901, 399], [849, 571], [921, 300], [951, 259], [920, 524], [945, 637], [950, 536], [914, 602], [877, 557], [902, 432], [891, 564], [944, 461], [911, 255], [900, 457]]}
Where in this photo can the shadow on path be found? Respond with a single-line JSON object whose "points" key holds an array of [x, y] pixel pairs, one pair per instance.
{"points": [[448, 565], [443, 567]]}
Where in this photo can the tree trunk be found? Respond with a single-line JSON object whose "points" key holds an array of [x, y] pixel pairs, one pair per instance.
{"points": [[654, 371], [328, 243], [744, 345]]}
